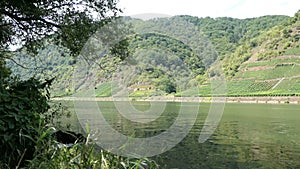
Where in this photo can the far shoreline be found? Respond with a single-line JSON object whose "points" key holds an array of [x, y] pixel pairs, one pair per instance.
{"points": [[252, 99]]}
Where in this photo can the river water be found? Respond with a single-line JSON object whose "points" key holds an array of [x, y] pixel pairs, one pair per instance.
{"points": [[248, 135]]}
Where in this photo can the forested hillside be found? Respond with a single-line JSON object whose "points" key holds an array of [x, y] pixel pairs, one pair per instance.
{"points": [[259, 56]]}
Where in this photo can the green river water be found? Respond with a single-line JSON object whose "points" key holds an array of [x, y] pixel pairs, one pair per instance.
{"points": [[248, 135]]}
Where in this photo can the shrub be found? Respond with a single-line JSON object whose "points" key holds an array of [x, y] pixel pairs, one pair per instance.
{"points": [[22, 103], [82, 155]]}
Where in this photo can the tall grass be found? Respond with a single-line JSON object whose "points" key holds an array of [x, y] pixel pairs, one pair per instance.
{"points": [[53, 155]]}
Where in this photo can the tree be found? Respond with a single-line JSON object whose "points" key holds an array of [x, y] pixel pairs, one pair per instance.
{"points": [[25, 24], [165, 84]]}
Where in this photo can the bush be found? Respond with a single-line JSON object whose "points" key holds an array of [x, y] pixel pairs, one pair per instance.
{"points": [[22, 106], [83, 155], [28, 140]]}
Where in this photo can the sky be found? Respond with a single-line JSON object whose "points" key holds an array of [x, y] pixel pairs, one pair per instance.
{"points": [[212, 8]]}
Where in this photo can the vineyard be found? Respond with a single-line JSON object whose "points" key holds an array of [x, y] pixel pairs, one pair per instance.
{"points": [[106, 89], [282, 79]]}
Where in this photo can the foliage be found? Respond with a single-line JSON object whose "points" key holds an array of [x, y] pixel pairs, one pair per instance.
{"points": [[22, 105], [48, 63], [27, 22], [28, 25], [167, 85], [233, 41], [228, 33], [82, 155]]}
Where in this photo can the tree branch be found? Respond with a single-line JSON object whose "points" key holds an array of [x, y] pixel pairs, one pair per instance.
{"points": [[24, 67], [18, 64], [28, 19]]}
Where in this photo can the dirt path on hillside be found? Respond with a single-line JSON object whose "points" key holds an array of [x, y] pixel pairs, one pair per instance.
{"points": [[254, 58], [256, 68], [288, 57]]}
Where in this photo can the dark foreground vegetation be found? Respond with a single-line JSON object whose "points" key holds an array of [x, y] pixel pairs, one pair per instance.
{"points": [[27, 118]]}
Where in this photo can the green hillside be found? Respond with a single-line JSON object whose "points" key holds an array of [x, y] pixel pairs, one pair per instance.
{"points": [[281, 39], [276, 76], [259, 56]]}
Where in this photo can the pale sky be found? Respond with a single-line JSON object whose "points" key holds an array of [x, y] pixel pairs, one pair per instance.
{"points": [[212, 8]]}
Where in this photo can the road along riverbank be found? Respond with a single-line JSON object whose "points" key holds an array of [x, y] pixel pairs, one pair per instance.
{"points": [[261, 100]]}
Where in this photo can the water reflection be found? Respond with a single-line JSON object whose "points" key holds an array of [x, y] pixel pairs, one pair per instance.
{"points": [[220, 151], [249, 136]]}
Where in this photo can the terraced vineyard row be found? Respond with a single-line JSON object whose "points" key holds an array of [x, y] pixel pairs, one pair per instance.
{"points": [[277, 72], [273, 62], [106, 89], [261, 86]]}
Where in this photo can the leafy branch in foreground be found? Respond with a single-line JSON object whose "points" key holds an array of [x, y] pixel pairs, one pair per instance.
{"points": [[25, 23]]}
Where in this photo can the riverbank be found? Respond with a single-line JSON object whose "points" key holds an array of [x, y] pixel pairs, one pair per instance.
{"points": [[261, 100]]}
